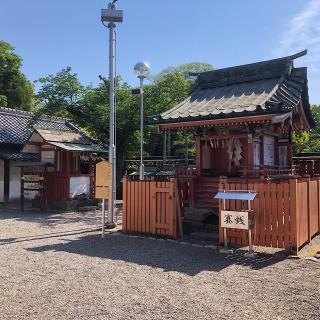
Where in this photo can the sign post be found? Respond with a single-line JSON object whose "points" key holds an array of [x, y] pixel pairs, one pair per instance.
{"points": [[236, 219], [103, 187]]}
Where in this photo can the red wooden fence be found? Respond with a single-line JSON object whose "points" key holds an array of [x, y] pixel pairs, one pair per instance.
{"points": [[151, 207], [286, 212]]}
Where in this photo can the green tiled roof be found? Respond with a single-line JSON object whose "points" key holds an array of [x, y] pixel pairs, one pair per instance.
{"points": [[78, 147], [268, 87]]}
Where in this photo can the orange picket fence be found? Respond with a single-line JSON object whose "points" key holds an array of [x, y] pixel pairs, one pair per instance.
{"points": [[151, 207], [286, 212]]}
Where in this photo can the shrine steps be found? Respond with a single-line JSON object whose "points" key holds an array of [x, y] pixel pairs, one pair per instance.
{"points": [[200, 220], [205, 190]]}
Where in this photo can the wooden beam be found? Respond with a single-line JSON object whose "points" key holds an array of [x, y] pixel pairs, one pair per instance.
{"points": [[217, 122], [223, 137]]}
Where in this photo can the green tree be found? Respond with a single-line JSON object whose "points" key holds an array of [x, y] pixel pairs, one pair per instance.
{"points": [[170, 87], [309, 141], [165, 93], [300, 141], [60, 94], [185, 70], [15, 90]]}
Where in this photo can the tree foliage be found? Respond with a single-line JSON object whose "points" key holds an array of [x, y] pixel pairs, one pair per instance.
{"points": [[63, 95], [309, 141], [60, 93], [15, 90], [185, 70]]}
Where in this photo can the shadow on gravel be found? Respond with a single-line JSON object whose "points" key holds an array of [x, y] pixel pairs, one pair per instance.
{"points": [[51, 218], [166, 255], [50, 235]]}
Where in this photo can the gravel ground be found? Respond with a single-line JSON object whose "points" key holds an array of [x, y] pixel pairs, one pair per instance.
{"points": [[53, 266], [311, 248]]}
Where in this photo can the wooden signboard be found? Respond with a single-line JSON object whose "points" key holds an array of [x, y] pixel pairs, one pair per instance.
{"points": [[32, 177], [33, 185], [103, 180], [103, 192], [30, 194], [235, 219]]}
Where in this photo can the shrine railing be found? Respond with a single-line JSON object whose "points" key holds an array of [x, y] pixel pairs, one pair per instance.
{"points": [[268, 171], [310, 167], [186, 171]]}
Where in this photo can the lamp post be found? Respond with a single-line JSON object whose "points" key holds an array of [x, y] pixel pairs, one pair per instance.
{"points": [[111, 15], [142, 70]]}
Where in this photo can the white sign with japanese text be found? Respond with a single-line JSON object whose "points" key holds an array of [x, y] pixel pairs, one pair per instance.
{"points": [[235, 219]]}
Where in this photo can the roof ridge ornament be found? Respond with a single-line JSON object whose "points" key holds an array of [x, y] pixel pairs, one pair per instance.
{"points": [[298, 55]]}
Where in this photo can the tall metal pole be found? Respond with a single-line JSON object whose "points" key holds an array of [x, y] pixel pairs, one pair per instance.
{"points": [[141, 129], [111, 15], [112, 146]]}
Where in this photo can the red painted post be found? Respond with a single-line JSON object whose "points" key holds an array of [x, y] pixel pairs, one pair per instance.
{"points": [[198, 155], [294, 230]]}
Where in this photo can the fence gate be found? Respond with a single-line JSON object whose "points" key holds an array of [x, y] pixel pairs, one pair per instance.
{"points": [[151, 207]]}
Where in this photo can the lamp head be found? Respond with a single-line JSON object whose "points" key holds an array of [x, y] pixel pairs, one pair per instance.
{"points": [[111, 14], [142, 69]]}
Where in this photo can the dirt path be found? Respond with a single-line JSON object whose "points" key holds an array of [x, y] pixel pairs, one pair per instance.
{"points": [[53, 267]]}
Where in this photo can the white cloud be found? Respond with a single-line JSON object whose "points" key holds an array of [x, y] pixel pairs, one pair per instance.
{"points": [[303, 32]]}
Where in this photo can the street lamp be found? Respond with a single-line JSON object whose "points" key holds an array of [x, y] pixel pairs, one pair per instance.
{"points": [[142, 70], [109, 18]]}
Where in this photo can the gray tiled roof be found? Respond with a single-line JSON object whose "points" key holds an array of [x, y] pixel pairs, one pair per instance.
{"points": [[16, 126], [273, 86], [10, 155]]}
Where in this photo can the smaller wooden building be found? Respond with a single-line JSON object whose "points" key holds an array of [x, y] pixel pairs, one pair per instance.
{"points": [[54, 143], [72, 156]]}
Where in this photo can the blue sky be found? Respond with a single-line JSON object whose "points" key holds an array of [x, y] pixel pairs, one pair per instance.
{"points": [[51, 35]]}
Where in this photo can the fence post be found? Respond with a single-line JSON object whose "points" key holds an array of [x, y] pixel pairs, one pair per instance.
{"points": [[153, 207], [309, 208], [294, 230], [318, 194], [178, 228], [173, 208], [124, 204]]}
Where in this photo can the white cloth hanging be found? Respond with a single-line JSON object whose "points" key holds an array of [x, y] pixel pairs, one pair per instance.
{"points": [[234, 150]]}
